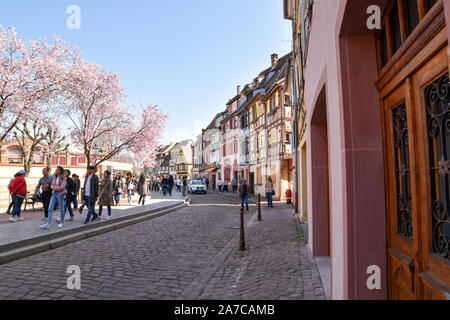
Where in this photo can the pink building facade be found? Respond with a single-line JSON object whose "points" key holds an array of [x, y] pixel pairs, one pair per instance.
{"points": [[349, 188]]}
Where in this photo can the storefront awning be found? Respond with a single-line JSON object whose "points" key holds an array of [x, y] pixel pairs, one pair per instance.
{"points": [[212, 169]]}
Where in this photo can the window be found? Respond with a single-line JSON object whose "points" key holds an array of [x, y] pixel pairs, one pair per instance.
{"points": [[395, 25], [258, 176], [280, 99], [62, 161], [437, 115], [412, 12], [247, 146], [402, 172], [55, 160], [81, 160], [272, 104], [15, 155], [224, 151], [73, 161], [255, 116], [288, 138], [39, 156]]}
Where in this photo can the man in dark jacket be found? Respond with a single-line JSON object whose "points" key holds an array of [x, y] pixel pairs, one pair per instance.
{"points": [[185, 183], [171, 184], [243, 194], [70, 195], [91, 193], [165, 185], [77, 181]]}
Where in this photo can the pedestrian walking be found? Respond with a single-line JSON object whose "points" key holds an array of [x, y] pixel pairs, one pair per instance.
{"points": [[220, 185], [171, 185], [70, 196], [234, 184], [243, 195], [58, 187], [165, 185], [142, 189], [161, 186], [117, 189], [129, 186], [106, 195], [185, 183], [91, 194], [13, 200], [178, 185], [44, 188], [269, 192], [225, 186], [77, 181], [18, 190], [80, 210]]}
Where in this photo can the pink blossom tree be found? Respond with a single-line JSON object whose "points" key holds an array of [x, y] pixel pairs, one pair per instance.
{"points": [[101, 125], [27, 77]]}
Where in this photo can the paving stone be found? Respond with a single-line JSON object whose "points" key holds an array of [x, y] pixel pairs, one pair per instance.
{"points": [[188, 254]]}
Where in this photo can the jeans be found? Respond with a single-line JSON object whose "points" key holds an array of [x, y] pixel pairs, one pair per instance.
{"points": [[142, 199], [57, 198], [117, 196], [164, 191], [17, 205], [12, 203], [67, 205], [75, 202], [46, 197], [244, 199], [91, 208], [269, 199], [100, 211], [129, 194]]}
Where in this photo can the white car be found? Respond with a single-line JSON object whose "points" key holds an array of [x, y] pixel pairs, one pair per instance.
{"points": [[197, 186]]}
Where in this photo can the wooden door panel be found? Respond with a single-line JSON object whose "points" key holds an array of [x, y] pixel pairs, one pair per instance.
{"points": [[401, 193], [432, 97]]}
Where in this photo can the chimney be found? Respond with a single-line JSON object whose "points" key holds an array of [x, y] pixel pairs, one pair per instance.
{"points": [[238, 90], [274, 59]]}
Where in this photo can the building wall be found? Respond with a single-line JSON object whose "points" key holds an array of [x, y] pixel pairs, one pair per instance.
{"points": [[345, 153]]}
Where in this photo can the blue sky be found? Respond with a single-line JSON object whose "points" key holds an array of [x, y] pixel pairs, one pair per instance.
{"points": [[187, 56]]}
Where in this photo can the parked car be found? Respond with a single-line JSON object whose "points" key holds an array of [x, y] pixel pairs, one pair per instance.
{"points": [[197, 186]]}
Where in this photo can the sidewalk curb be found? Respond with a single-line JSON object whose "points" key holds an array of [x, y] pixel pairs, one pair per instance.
{"points": [[29, 247], [232, 195]]}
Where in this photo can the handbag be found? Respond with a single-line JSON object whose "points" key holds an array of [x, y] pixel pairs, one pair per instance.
{"points": [[273, 192]]}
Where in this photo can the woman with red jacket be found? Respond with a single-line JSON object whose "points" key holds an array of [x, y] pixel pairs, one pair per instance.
{"points": [[18, 189]]}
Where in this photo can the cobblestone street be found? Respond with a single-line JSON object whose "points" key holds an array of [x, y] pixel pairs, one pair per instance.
{"points": [[188, 254]]}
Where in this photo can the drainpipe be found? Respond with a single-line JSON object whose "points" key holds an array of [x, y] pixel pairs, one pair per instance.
{"points": [[294, 105], [267, 144]]}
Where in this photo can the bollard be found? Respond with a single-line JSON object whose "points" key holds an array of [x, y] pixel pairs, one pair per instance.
{"points": [[259, 208], [242, 242]]}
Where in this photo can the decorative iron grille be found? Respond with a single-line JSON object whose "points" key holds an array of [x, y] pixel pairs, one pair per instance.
{"points": [[402, 172], [438, 104]]}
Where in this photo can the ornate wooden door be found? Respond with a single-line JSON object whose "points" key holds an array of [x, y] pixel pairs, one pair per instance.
{"points": [[431, 94], [415, 100], [403, 240]]}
